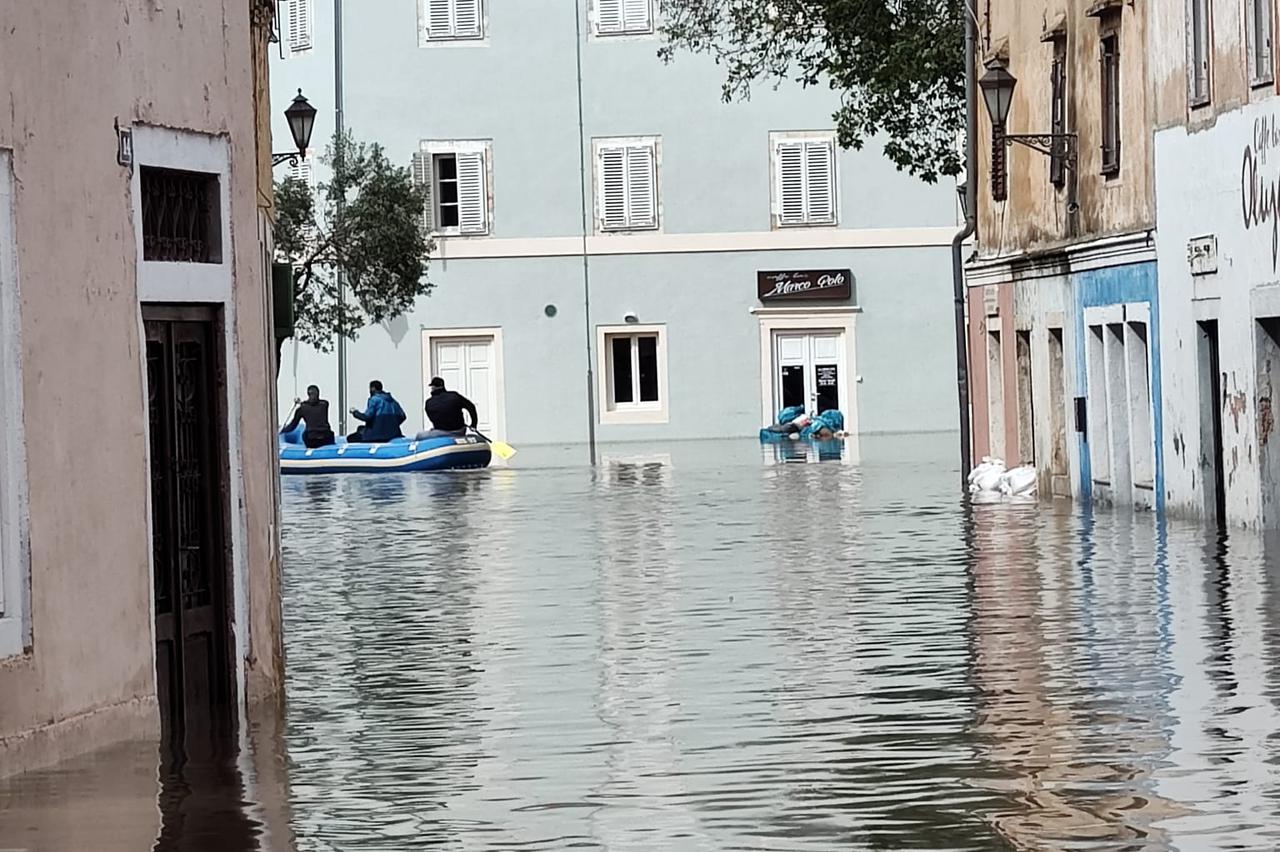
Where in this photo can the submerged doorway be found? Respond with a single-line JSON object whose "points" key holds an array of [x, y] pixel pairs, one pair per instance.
{"points": [[809, 370], [186, 388]]}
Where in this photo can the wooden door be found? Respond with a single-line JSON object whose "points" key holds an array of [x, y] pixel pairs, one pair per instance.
{"points": [[185, 389], [467, 366]]}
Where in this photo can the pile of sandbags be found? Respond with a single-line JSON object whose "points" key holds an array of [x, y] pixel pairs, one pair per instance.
{"points": [[990, 478]]}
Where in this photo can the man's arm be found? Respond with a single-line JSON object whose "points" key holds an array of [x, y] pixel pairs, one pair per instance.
{"points": [[470, 407], [292, 424]]}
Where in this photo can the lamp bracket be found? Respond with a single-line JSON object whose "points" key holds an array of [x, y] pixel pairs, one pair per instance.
{"points": [[1062, 145], [290, 158]]}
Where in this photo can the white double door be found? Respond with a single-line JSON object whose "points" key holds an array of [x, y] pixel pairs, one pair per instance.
{"points": [[468, 366], [809, 370]]}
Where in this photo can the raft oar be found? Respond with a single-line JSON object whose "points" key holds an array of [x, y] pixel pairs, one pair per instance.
{"points": [[502, 449]]}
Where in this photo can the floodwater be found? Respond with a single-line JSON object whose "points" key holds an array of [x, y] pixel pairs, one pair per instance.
{"points": [[707, 647]]}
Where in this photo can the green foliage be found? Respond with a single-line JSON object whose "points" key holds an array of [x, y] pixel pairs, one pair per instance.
{"points": [[369, 225], [897, 64]]}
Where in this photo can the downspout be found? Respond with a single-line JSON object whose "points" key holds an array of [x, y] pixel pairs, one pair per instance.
{"points": [[586, 258], [957, 244]]}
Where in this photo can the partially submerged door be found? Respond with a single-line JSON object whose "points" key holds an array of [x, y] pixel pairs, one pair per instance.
{"points": [[467, 366], [185, 389], [807, 370]]}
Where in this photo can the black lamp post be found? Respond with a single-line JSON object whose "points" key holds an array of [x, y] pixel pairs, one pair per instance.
{"points": [[997, 91], [301, 116]]}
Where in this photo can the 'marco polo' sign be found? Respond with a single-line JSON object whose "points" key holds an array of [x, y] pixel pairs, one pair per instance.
{"points": [[802, 285]]}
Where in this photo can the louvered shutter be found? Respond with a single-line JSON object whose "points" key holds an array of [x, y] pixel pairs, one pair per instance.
{"points": [[609, 16], [819, 171], [637, 16], [791, 206], [299, 25], [473, 213], [439, 19], [466, 20], [301, 171], [613, 188], [642, 207], [422, 177]]}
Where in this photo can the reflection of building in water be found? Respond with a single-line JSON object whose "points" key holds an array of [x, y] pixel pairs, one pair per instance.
{"points": [[640, 664], [382, 714], [1072, 690]]}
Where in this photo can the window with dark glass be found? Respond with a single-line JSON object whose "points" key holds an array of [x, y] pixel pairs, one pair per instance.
{"points": [[633, 369], [1111, 102], [1058, 108]]}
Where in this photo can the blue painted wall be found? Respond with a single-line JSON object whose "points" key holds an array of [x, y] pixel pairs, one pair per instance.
{"points": [[1118, 285]]}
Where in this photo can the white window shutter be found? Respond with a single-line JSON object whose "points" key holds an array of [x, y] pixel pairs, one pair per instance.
{"points": [[301, 171], [473, 205], [467, 19], [439, 18], [819, 169], [422, 176], [609, 16], [613, 188], [642, 207], [790, 165], [299, 25], [637, 16]]}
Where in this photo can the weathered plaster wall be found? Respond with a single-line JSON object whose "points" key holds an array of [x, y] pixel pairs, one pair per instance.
{"points": [[73, 72], [1035, 214]]}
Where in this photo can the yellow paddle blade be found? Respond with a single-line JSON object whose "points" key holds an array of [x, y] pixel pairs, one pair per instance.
{"points": [[502, 449]]}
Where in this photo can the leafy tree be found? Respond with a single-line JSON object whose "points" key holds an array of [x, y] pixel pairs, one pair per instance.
{"points": [[897, 64], [369, 225]]}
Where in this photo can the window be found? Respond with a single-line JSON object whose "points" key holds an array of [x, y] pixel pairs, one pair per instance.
{"points": [[1258, 41], [181, 222], [452, 20], [626, 184], [1058, 107], [633, 361], [456, 178], [301, 171], [622, 17], [1199, 13], [13, 519], [300, 23], [804, 181], [1111, 101]]}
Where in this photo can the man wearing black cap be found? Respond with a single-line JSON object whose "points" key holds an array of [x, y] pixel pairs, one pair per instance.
{"points": [[444, 410]]}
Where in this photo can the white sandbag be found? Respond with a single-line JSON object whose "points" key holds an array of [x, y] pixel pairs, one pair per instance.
{"points": [[1019, 481], [989, 479], [985, 468]]}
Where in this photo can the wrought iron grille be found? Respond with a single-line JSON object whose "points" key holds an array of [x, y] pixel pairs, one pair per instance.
{"points": [[180, 221]]}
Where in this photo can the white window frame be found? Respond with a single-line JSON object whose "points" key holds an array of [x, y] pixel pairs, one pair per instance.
{"points": [[1259, 41], [306, 41], [599, 147], [1199, 53], [451, 37], [435, 148], [809, 219], [630, 413], [624, 28], [15, 612]]}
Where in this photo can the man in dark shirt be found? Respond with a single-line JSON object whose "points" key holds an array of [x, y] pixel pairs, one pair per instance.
{"points": [[444, 410], [313, 411]]}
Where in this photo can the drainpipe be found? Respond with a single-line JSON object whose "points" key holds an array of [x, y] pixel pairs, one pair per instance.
{"points": [[957, 244], [342, 283], [586, 258]]}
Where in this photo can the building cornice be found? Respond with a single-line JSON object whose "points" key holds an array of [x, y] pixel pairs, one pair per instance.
{"points": [[1099, 253]]}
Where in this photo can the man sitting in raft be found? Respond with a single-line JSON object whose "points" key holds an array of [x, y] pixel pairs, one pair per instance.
{"points": [[313, 411], [381, 417], [444, 409]]}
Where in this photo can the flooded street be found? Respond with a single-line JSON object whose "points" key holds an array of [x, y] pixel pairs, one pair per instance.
{"points": [[697, 647]]}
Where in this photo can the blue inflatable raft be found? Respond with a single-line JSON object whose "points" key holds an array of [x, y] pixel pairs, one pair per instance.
{"points": [[403, 455]]}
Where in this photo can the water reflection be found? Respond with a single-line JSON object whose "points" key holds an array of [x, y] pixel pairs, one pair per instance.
{"points": [[689, 649]]}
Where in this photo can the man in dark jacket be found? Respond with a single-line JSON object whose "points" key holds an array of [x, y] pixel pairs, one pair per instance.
{"points": [[313, 411], [444, 410], [381, 417]]}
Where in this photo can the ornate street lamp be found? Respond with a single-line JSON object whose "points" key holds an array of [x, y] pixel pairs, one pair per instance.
{"points": [[301, 116], [997, 91]]}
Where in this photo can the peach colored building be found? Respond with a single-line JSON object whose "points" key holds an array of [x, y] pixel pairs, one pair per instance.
{"points": [[1063, 309], [138, 495]]}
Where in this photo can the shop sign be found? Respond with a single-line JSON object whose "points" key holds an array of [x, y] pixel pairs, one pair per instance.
{"points": [[800, 285]]}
